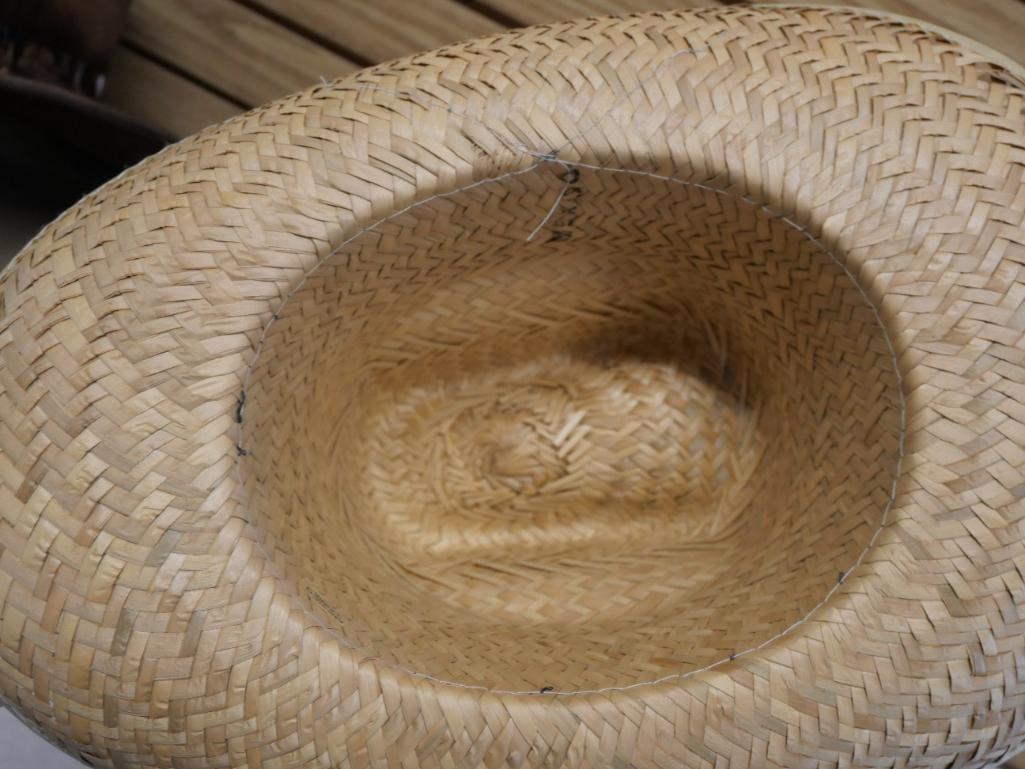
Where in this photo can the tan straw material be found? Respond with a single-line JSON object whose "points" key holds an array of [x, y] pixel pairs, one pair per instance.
{"points": [[635, 391]]}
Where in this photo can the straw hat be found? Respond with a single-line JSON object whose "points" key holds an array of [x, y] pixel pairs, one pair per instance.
{"points": [[633, 391]]}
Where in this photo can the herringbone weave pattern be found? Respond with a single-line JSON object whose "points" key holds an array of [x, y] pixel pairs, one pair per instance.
{"points": [[626, 392]]}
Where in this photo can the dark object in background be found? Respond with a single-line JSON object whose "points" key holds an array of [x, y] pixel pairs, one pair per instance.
{"points": [[65, 42], [56, 143], [56, 146]]}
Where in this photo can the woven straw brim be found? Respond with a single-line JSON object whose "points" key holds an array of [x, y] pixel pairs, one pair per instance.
{"points": [[626, 392]]}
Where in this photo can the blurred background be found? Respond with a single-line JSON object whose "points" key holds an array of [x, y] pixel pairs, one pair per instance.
{"points": [[89, 87]]}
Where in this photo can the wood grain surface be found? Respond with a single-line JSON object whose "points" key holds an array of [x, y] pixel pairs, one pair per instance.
{"points": [[384, 29], [202, 59], [547, 11], [235, 50], [165, 99]]}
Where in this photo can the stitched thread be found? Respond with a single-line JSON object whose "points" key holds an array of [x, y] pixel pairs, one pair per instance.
{"points": [[548, 157], [552, 157]]}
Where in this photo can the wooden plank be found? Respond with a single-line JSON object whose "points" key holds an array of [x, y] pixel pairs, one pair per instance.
{"points": [[252, 59], [384, 29], [238, 51], [999, 24], [167, 101], [547, 11]]}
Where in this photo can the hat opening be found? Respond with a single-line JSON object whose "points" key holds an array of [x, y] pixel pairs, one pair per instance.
{"points": [[570, 431]]}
